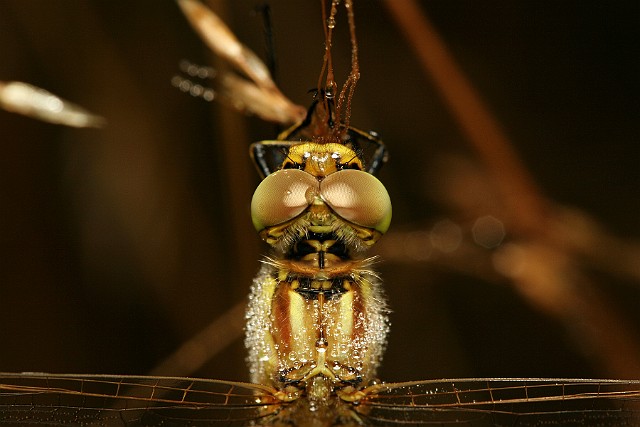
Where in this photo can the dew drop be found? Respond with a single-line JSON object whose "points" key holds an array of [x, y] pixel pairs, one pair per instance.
{"points": [[329, 92], [196, 90], [209, 95], [192, 70], [488, 231], [175, 81]]}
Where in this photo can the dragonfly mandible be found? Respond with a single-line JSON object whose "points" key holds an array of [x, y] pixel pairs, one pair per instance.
{"points": [[115, 400]]}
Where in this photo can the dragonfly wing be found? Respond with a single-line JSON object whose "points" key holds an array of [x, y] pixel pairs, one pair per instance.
{"points": [[53, 400], [508, 402]]}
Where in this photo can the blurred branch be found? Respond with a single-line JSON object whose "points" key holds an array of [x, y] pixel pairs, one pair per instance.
{"points": [[203, 346], [32, 101], [523, 200], [551, 246]]}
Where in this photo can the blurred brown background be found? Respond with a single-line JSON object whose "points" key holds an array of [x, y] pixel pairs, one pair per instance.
{"points": [[117, 245]]}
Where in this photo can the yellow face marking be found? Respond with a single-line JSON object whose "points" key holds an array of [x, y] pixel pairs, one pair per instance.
{"points": [[322, 159]]}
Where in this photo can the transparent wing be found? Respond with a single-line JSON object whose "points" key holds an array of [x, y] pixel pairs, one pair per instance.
{"points": [[54, 400], [504, 402], [49, 399]]}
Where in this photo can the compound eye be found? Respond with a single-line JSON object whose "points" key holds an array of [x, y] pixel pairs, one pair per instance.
{"points": [[282, 196], [358, 197]]}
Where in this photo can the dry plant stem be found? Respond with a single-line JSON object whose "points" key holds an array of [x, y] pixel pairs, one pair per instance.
{"points": [[528, 211], [327, 68], [23, 98], [226, 328], [202, 347], [326, 72], [223, 43], [581, 234], [234, 137], [524, 202], [553, 281], [255, 92], [342, 111], [350, 85], [106, 170], [605, 330], [528, 208]]}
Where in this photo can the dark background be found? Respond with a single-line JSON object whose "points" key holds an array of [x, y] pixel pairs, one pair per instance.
{"points": [[117, 245]]}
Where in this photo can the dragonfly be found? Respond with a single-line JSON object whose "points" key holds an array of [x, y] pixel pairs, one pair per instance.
{"points": [[292, 395]]}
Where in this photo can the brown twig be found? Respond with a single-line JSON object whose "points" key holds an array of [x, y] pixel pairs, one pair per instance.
{"points": [[551, 276], [524, 203]]}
